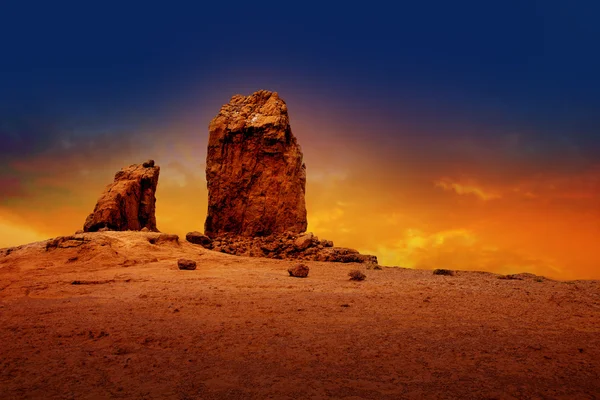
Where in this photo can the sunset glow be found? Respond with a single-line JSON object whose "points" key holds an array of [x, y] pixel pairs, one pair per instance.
{"points": [[452, 142], [410, 216]]}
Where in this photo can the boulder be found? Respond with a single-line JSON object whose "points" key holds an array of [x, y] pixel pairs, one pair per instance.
{"points": [[129, 202], [162, 238], [254, 171], [198, 238], [186, 264], [299, 271], [303, 242]]}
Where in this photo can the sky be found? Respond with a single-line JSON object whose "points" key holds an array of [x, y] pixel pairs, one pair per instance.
{"points": [[436, 134]]}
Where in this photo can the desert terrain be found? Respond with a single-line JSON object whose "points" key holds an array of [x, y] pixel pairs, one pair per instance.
{"points": [[109, 315]]}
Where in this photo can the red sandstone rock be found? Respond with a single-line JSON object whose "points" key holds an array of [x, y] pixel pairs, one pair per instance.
{"points": [[186, 264], [254, 171], [288, 246], [298, 271], [129, 202], [198, 238], [304, 241], [163, 238]]}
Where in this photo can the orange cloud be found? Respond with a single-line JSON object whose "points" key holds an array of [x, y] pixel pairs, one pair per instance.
{"points": [[466, 188], [460, 249]]}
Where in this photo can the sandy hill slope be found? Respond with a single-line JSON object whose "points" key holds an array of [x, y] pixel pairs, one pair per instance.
{"points": [[110, 315]]}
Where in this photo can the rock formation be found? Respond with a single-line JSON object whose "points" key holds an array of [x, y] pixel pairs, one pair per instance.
{"points": [[285, 246], [129, 202], [254, 170], [256, 183]]}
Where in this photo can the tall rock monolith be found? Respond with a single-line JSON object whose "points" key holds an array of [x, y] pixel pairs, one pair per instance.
{"points": [[254, 171]]}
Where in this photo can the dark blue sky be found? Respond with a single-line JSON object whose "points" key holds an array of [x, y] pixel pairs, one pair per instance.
{"points": [[523, 65]]}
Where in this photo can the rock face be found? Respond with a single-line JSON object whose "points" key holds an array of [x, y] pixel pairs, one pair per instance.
{"points": [[256, 183], [129, 202], [254, 171]]}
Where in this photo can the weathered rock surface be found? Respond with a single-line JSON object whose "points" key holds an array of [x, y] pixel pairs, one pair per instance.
{"points": [[256, 184], [298, 271], [186, 264], [287, 246], [254, 171], [198, 238], [163, 238], [304, 241], [65, 242], [129, 202]]}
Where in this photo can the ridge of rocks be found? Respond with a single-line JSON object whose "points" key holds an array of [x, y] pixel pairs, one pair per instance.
{"points": [[286, 246]]}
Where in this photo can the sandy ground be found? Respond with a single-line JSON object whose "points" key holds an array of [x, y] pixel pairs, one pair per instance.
{"points": [[134, 326]]}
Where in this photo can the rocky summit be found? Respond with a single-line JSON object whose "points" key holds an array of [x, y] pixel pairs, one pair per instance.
{"points": [[129, 202], [254, 170]]}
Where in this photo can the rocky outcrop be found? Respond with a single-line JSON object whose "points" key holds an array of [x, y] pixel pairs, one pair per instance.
{"points": [[256, 183], [288, 246], [65, 242], [254, 171], [129, 202]]}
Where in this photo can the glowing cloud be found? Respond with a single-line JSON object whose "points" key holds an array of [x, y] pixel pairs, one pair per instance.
{"points": [[460, 249], [466, 188], [14, 235]]}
